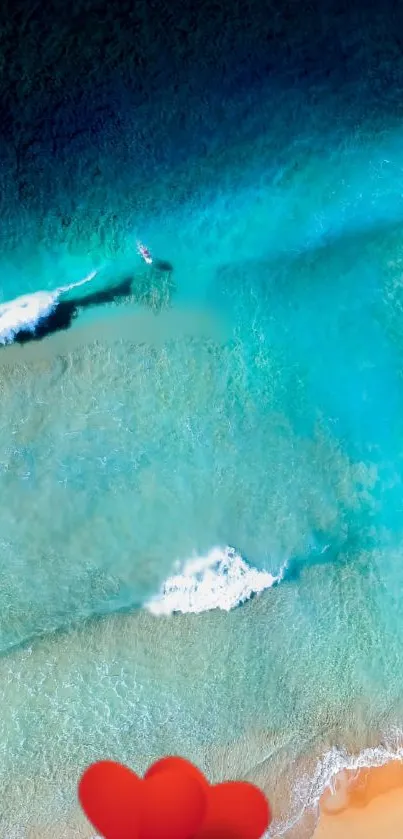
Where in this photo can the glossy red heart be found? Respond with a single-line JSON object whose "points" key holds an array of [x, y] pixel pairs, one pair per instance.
{"points": [[174, 805], [111, 795], [120, 805], [235, 810], [179, 764]]}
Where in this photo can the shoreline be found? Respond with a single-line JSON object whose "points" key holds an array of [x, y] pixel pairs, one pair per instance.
{"points": [[298, 791], [364, 804], [351, 798]]}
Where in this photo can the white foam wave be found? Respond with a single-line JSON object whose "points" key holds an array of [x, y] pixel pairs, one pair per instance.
{"points": [[220, 580], [25, 312]]}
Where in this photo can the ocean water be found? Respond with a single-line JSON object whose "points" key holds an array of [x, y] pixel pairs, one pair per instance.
{"points": [[201, 480]]}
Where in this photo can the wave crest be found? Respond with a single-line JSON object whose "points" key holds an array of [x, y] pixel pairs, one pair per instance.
{"points": [[219, 580], [25, 313]]}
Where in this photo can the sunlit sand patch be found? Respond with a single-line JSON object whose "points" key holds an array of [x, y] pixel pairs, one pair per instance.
{"points": [[364, 804], [135, 327]]}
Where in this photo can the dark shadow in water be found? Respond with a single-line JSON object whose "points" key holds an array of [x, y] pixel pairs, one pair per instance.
{"points": [[297, 565], [66, 311], [272, 272], [163, 265], [358, 542]]}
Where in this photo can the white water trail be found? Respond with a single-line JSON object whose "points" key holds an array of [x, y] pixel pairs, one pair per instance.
{"points": [[25, 312]]}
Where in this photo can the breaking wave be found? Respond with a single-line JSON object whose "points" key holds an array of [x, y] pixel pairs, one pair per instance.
{"points": [[219, 580], [25, 313], [309, 789]]}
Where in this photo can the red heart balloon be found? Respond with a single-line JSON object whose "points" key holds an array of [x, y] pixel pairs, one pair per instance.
{"points": [[111, 796], [235, 810], [120, 805], [173, 806], [179, 764]]}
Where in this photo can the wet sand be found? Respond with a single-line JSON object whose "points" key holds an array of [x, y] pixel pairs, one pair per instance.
{"points": [[365, 804]]}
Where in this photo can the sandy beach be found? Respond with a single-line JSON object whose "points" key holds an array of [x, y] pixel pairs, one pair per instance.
{"points": [[365, 804]]}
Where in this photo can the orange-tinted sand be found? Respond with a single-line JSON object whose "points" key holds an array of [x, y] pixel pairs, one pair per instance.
{"points": [[365, 804]]}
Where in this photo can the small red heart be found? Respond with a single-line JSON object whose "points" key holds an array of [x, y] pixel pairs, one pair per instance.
{"points": [[111, 795], [173, 807], [177, 763], [235, 810], [120, 805], [238, 808]]}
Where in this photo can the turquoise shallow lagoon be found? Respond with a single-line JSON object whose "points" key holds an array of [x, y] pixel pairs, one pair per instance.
{"points": [[280, 435]]}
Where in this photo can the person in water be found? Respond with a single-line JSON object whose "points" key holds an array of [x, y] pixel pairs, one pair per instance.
{"points": [[144, 253], [160, 264]]}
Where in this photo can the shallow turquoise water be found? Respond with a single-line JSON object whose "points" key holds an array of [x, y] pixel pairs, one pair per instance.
{"points": [[285, 440]]}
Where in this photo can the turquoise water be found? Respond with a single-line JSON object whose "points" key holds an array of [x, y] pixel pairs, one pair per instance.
{"points": [[282, 438]]}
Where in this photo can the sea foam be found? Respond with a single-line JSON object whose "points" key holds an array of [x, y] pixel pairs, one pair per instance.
{"points": [[310, 788], [219, 580], [26, 312]]}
